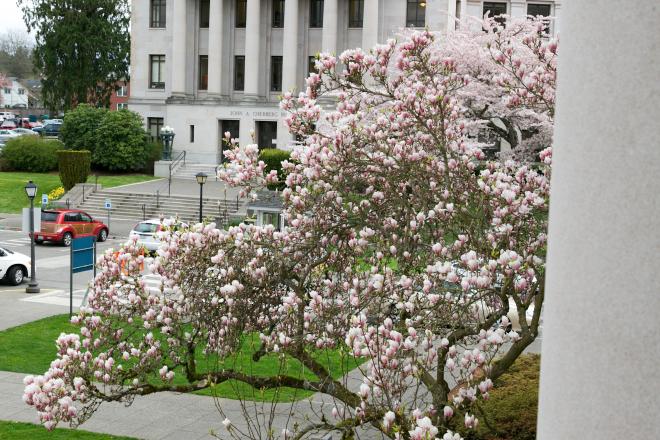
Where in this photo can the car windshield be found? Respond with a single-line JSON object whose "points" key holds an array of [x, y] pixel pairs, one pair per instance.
{"points": [[49, 216], [146, 227]]}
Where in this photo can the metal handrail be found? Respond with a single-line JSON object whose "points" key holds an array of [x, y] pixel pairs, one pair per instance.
{"points": [[173, 164]]}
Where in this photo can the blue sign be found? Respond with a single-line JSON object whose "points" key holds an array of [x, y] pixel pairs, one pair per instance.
{"points": [[108, 204], [44, 199], [82, 254]]}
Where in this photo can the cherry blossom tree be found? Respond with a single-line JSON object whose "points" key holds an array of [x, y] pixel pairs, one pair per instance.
{"points": [[406, 254]]}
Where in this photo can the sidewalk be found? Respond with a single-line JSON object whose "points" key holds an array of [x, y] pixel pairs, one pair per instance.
{"points": [[180, 187]]}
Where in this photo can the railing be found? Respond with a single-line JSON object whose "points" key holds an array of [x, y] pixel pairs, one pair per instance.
{"points": [[175, 162]]}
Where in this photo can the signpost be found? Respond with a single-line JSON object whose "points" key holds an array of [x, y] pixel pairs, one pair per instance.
{"points": [[108, 207], [83, 258], [44, 201]]}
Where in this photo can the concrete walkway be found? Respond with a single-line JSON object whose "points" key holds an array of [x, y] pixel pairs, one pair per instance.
{"points": [[180, 187]]}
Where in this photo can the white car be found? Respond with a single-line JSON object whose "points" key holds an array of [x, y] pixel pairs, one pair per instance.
{"points": [[23, 131], [5, 135], [147, 232], [14, 267]]}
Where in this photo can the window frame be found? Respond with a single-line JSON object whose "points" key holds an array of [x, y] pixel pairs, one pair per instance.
{"points": [[353, 22], [203, 74], [275, 75], [156, 122], [547, 30], [316, 14], [238, 58], [277, 22], [498, 18], [240, 7], [122, 92], [160, 59], [258, 125], [159, 8], [414, 22], [122, 106]]}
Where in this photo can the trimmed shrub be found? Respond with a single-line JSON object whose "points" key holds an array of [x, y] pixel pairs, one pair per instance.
{"points": [[510, 412], [78, 131], [273, 158], [75, 167], [31, 153], [121, 142], [154, 153]]}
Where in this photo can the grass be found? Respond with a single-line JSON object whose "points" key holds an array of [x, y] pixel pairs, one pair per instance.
{"points": [[30, 348], [13, 195], [28, 431]]}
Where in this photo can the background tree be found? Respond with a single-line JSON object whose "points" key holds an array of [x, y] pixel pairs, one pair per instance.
{"points": [[82, 48], [404, 254], [16, 54]]}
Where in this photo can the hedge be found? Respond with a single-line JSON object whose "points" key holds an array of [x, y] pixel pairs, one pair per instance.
{"points": [[121, 142], [78, 130], [31, 153], [273, 158], [75, 166]]}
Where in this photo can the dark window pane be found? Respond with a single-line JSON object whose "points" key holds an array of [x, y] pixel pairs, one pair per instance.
{"points": [[311, 65], [355, 13], [49, 216], [241, 11], [157, 14], [416, 13], [316, 13], [153, 128], [276, 74], [542, 10], [239, 72], [156, 71], [495, 9], [231, 126], [204, 6], [278, 14], [85, 218], [192, 134], [203, 72], [266, 134]]}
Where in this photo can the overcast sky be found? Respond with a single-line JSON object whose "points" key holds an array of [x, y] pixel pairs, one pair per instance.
{"points": [[10, 17]]}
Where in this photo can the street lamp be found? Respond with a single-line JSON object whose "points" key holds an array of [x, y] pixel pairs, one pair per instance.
{"points": [[201, 179], [33, 286], [167, 136]]}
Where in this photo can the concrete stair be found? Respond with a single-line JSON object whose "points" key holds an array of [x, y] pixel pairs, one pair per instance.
{"points": [[189, 170], [128, 206]]}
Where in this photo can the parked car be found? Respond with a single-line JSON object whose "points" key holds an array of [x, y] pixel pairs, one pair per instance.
{"points": [[6, 115], [14, 267], [21, 105], [5, 135], [51, 129], [147, 232], [25, 131], [8, 124], [25, 123], [63, 225]]}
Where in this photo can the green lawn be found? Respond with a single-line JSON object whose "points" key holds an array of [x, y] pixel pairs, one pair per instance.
{"points": [[12, 184], [28, 431], [30, 348]]}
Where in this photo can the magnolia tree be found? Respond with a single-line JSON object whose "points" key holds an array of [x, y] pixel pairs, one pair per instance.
{"points": [[405, 259]]}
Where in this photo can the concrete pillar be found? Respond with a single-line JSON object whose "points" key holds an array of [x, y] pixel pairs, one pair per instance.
{"points": [[252, 54], [370, 24], [215, 47], [518, 8], [557, 18], [290, 52], [178, 63], [599, 365], [437, 14], [329, 35]]}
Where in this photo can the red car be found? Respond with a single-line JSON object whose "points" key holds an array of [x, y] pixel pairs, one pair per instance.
{"points": [[8, 124], [64, 225]]}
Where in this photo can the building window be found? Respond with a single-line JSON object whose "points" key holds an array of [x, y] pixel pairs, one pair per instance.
{"points": [[239, 72], [203, 72], [315, 13], [543, 10], [416, 13], [241, 13], [157, 14], [311, 65], [266, 134], [122, 106], [276, 74], [7, 91], [278, 14], [496, 10], [204, 6], [192, 134], [157, 71], [355, 13], [122, 92], [227, 125], [153, 128], [21, 91]]}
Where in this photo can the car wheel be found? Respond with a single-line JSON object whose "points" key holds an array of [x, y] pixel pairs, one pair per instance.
{"points": [[67, 239], [103, 235], [15, 275], [38, 240]]}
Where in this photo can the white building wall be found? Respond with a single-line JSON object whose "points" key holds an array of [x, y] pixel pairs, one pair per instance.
{"points": [[205, 111], [14, 94]]}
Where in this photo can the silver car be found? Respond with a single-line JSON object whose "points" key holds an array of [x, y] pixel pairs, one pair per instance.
{"points": [[147, 231]]}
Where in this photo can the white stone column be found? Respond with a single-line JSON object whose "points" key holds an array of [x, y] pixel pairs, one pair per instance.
{"points": [[329, 36], [599, 364], [290, 52], [557, 18], [215, 47], [437, 15], [518, 8], [252, 53], [370, 24], [178, 62]]}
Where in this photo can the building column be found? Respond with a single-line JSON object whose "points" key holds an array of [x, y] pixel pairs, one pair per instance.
{"points": [[518, 9], [329, 36], [370, 24], [178, 62], [252, 53], [215, 47], [599, 362], [290, 53], [557, 18], [437, 15]]}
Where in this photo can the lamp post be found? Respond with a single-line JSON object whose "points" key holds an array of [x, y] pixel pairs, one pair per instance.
{"points": [[201, 179], [167, 136], [33, 286]]}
